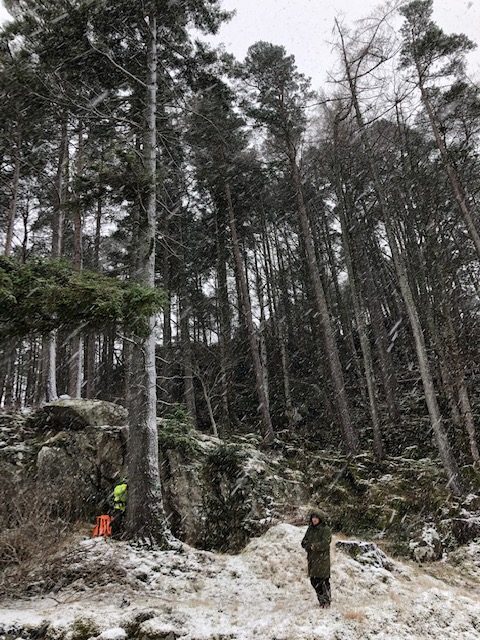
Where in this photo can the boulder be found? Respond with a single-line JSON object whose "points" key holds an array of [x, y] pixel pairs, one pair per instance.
{"points": [[182, 494], [81, 467], [365, 553], [466, 529], [75, 415], [208, 485], [428, 547], [472, 502]]}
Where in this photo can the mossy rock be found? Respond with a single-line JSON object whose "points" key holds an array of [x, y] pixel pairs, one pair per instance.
{"points": [[83, 629], [132, 627], [153, 629], [76, 415], [471, 476]]}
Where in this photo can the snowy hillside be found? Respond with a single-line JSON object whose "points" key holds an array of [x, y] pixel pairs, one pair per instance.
{"points": [[111, 590]]}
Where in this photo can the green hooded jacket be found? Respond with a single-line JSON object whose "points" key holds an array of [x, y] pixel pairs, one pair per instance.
{"points": [[317, 544]]}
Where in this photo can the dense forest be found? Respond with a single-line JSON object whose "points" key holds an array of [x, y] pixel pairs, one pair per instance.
{"points": [[186, 232]]}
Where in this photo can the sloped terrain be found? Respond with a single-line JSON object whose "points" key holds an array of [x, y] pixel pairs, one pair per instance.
{"points": [[111, 590]]}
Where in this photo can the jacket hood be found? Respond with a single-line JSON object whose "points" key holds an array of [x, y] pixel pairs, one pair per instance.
{"points": [[317, 514]]}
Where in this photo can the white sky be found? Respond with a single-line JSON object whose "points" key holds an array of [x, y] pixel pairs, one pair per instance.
{"points": [[304, 27]]}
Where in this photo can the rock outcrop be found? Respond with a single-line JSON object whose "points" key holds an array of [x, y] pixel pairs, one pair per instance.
{"points": [[367, 553], [428, 547], [75, 415], [212, 488]]}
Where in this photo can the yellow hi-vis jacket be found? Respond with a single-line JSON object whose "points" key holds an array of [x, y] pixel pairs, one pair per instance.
{"points": [[120, 496]]}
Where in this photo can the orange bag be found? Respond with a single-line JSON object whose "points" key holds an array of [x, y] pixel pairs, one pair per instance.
{"points": [[103, 527]]}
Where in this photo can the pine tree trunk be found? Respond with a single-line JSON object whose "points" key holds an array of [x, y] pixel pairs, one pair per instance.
{"points": [[19, 376], [224, 320], [75, 369], [31, 373], [145, 512], [453, 177], [443, 446], [98, 234], [262, 329], [189, 387], [12, 211], [446, 455], [50, 367], [349, 431], [467, 413], [281, 312], [8, 398], [389, 379], [360, 321], [267, 428], [90, 357], [49, 343], [459, 375], [343, 313], [59, 192]]}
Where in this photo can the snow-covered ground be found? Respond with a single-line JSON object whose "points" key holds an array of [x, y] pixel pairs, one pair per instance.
{"points": [[262, 593]]}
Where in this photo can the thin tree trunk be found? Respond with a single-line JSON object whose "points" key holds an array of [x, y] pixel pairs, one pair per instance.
{"points": [[267, 428], [189, 388], [8, 400], [98, 233], [360, 321], [443, 446], [25, 218], [12, 212], [31, 372], [349, 431], [262, 328], [90, 357], [281, 315], [224, 319], [19, 376], [459, 378], [467, 413], [208, 402], [389, 379], [59, 192], [455, 182], [51, 355]]}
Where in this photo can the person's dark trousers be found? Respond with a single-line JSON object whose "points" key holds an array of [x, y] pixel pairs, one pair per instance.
{"points": [[322, 589], [118, 524]]}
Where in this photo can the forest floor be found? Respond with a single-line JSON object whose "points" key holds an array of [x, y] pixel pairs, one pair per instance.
{"points": [[114, 591]]}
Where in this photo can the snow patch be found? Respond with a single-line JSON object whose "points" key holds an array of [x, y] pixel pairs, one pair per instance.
{"points": [[262, 593]]}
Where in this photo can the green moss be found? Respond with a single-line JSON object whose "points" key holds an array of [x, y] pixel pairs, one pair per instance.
{"points": [[83, 629], [471, 476]]}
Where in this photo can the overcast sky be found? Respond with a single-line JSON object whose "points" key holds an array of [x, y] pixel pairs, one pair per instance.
{"points": [[304, 27]]}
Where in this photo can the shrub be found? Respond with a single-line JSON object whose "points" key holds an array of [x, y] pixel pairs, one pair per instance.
{"points": [[31, 530]]}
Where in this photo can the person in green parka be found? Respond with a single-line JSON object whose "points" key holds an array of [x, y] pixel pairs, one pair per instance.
{"points": [[317, 544]]}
